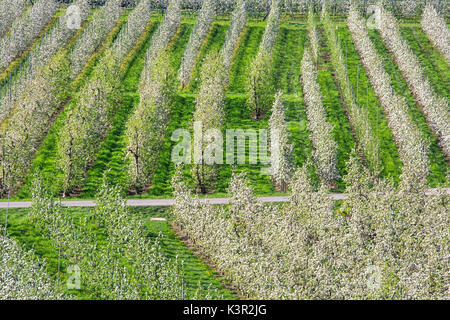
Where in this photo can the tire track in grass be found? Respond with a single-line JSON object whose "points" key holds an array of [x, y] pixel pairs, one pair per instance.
{"points": [[438, 165], [244, 57], [288, 53], [336, 114], [214, 43], [110, 157], [389, 158], [435, 66]]}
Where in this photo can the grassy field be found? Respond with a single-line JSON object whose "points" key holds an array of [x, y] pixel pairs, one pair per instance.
{"points": [[196, 271], [287, 55]]}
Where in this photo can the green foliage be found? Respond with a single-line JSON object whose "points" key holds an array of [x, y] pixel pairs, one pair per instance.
{"points": [[245, 54], [288, 52], [335, 112]]}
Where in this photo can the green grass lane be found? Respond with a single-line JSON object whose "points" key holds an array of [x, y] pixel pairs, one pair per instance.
{"points": [[196, 271], [246, 53], [389, 158], [214, 43], [298, 129], [110, 158], [438, 165], [181, 118], [434, 64], [335, 110], [237, 116], [288, 53]]}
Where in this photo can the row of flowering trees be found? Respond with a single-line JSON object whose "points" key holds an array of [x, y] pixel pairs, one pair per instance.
{"points": [[382, 243], [9, 12], [237, 24], [103, 21], [313, 36], [281, 150], [32, 114], [21, 77], [22, 274], [25, 30], [162, 37], [260, 80], [357, 115], [209, 114], [198, 37], [89, 120], [258, 8], [436, 29], [321, 131], [412, 148], [146, 128], [435, 108]]}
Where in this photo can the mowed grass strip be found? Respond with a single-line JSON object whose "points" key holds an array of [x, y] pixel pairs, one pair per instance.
{"points": [[389, 158], [245, 54], [288, 53], [335, 110]]}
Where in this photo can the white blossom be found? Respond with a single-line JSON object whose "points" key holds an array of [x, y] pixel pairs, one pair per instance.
{"points": [[198, 37], [435, 108], [325, 147], [436, 29]]}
